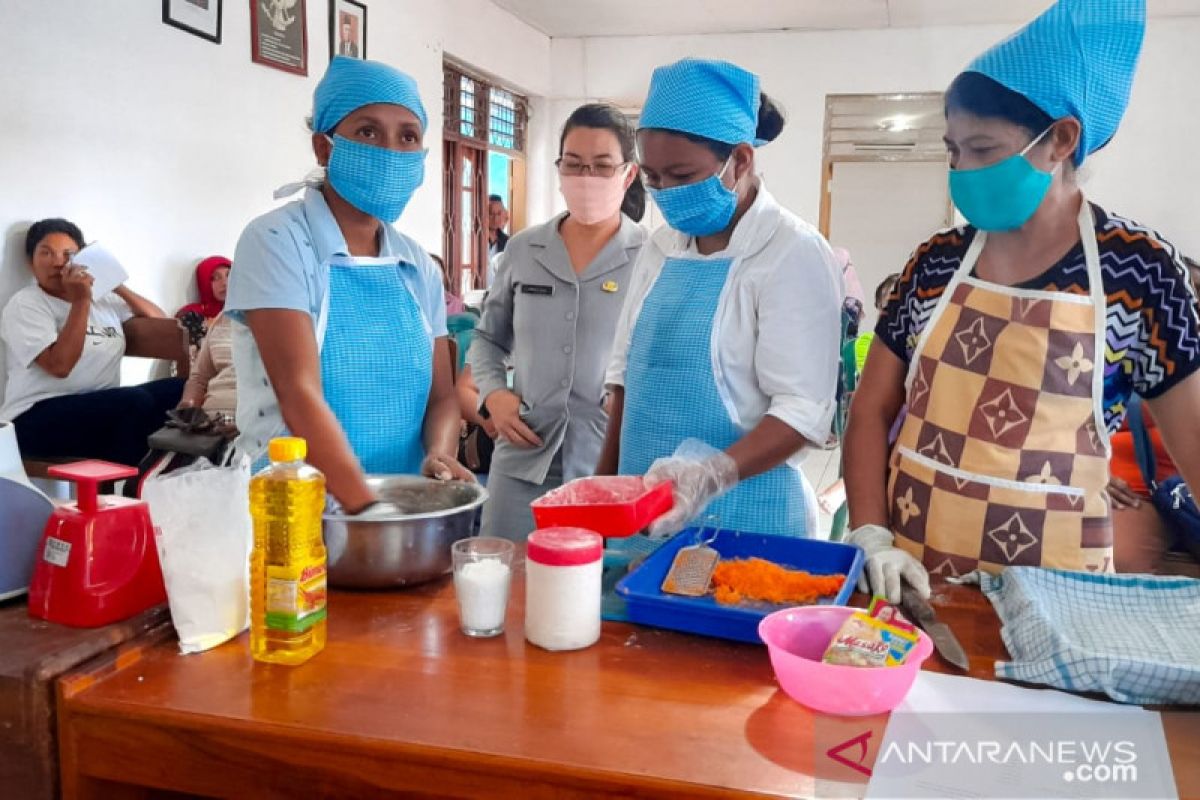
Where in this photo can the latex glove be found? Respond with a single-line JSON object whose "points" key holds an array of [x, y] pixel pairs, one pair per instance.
{"points": [[445, 468], [887, 565], [700, 474]]}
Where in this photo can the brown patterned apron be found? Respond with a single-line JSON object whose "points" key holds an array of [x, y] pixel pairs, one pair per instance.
{"points": [[1003, 457]]}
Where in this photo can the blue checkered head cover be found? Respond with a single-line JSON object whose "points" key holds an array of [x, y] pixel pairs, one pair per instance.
{"points": [[1077, 59], [713, 99], [351, 83]]}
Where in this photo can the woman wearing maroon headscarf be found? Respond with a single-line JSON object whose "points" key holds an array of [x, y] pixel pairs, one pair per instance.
{"points": [[212, 280]]}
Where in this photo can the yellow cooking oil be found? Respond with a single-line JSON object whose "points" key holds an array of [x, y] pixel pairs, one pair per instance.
{"points": [[287, 565]]}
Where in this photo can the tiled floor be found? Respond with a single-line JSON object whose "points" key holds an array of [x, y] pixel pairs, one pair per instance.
{"points": [[821, 469]]}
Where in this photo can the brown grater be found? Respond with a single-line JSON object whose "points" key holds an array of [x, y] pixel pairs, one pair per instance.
{"points": [[692, 569]]}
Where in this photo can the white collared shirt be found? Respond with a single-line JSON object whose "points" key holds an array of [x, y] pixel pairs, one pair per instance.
{"points": [[775, 337]]}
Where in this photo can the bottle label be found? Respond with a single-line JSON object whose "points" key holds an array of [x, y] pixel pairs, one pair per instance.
{"points": [[295, 597]]}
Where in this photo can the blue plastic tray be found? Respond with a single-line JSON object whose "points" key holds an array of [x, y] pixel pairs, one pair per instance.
{"points": [[648, 605]]}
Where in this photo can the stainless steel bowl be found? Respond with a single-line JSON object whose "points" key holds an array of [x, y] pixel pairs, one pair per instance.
{"points": [[407, 549]]}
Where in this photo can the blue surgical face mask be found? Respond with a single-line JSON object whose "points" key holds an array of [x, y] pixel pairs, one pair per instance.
{"points": [[698, 209], [1004, 195], [375, 180]]}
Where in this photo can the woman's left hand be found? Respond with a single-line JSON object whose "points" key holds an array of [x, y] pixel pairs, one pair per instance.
{"points": [[445, 468]]}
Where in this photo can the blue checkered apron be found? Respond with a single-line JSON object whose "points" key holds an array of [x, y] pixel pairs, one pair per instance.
{"points": [[377, 363], [671, 395]]}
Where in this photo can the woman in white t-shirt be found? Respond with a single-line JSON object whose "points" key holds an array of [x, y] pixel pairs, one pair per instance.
{"points": [[64, 350]]}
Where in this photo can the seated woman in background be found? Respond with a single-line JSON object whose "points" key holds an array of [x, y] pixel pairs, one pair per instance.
{"points": [[64, 351], [212, 383], [207, 409], [212, 282]]}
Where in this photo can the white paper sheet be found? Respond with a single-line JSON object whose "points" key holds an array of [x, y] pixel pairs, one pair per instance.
{"points": [[107, 273], [959, 713], [935, 693]]}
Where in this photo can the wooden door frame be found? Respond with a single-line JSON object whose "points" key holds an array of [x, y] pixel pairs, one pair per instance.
{"points": [[452, 211], [518, 192]]}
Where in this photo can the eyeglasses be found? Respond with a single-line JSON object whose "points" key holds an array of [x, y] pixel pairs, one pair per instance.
{"points": [[574, 168]]}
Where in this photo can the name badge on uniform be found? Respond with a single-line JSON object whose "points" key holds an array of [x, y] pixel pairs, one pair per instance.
{"points": [[609, 286], [536, 288]]}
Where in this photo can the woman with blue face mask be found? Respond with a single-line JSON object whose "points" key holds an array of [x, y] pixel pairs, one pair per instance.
{"points": [[725, 363], [340, 320], [1016, 340]]}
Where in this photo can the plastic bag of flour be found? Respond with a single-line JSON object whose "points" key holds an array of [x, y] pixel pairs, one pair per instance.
{"points": [[201, 517]]}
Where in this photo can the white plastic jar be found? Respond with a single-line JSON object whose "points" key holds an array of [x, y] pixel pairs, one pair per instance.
{"points": [[562, 588]]}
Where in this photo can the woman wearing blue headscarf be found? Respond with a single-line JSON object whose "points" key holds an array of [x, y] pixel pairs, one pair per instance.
{"points": [[1016, 341], [341, 320], [725, 363]]}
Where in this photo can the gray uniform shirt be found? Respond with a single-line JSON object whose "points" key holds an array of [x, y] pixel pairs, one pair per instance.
{"points": [[557, 329]]}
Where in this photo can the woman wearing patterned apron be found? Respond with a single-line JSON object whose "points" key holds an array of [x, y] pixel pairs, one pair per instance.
{"points": [[726, 357], [340, 321], [1016, 341]]}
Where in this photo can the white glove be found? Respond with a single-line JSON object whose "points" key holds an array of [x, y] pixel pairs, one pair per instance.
{"points": [[700, 474], [886, 565]]}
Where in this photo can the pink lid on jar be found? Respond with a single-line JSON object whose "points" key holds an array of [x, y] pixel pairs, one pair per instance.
{"points": [[564, 547]]}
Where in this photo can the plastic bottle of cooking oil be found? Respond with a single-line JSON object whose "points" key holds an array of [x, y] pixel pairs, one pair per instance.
{"points": [[287, 566]]}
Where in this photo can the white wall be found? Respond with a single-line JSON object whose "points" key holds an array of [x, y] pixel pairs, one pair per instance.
{"points": [[165, 145], [1149, 172]]}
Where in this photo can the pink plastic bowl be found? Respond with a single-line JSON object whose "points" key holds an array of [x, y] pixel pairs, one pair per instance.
{"points": [[796, 639]]}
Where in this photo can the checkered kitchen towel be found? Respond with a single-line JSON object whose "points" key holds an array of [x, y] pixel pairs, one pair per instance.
{"points": [[1134, 637]]}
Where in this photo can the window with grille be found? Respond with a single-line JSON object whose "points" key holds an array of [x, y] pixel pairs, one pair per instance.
{"points": [[483, 113], [484, 123]]}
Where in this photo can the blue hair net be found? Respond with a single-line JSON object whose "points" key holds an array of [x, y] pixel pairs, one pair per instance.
{"points": [[1077, 59], [713, 99], [351, 83]]}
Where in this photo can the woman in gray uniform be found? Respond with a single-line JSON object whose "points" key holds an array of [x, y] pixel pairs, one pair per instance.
{"points": [[552, 314]]}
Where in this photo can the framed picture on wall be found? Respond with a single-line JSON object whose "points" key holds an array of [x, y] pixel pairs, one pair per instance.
{"points": [[199, 17], [347, 29], [279, 35]]}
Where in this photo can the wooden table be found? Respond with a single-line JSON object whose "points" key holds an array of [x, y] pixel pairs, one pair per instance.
{"points": [[33, 656], [401, 702]]}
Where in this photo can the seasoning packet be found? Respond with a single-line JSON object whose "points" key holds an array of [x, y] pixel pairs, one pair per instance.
{"points": [[884, 611], [877, 637]]}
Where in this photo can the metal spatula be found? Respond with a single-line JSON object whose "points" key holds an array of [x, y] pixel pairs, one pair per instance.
{"points": [[692, 569]]}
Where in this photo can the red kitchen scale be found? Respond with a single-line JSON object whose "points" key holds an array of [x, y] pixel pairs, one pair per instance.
{"points": [[98, 562]]}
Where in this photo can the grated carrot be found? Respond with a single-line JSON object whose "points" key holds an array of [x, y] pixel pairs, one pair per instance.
{"points": [[738, 580]]}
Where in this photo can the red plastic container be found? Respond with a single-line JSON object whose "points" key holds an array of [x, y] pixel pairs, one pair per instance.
{"points": [[98, 562], [611, 505]]}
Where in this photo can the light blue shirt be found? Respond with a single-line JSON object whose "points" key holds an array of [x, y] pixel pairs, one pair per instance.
{"points": [[282, 261]]}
